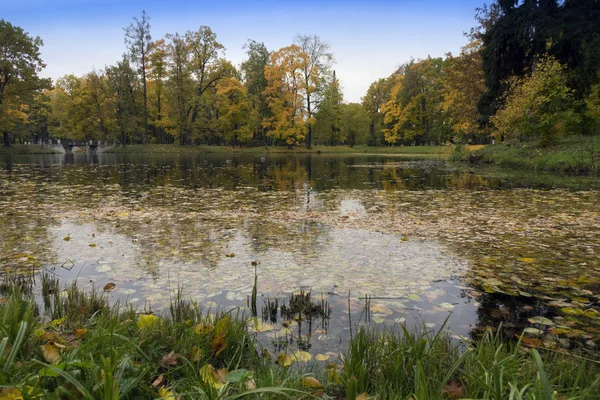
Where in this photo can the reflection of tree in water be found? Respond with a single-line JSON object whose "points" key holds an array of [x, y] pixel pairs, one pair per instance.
{"points": [[510, 311], [24, 237], [305, 238]]}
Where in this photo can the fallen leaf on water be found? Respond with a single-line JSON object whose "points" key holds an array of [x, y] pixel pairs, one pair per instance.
{"points": [[541, 321], [533, 331], [256, 325], [285, 360], [558, 331], [378, 319], [321, 357], [67, 238], [310, 382], [93, 245], [109, 287], [532, 342], [380, 309], [302, 356], [526, 260], [415, 297]]}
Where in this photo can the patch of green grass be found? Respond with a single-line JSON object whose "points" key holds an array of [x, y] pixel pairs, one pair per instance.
{"points": [[574, 154], [436, 151], [25, 149], [397, 363], [79, 346]]}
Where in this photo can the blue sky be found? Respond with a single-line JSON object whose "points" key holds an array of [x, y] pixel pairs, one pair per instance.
{"points": [[368, 39]]}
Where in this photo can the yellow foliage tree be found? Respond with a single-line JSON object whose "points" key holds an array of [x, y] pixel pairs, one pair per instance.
{"points": [[285, 95], [233, 111], [463, 87]]}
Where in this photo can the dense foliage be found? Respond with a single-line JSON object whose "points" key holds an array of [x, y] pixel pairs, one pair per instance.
{"points": [[530, 71]]}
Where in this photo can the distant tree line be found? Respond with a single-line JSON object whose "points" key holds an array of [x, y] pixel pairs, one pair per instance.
{"points": [[530, 71]]}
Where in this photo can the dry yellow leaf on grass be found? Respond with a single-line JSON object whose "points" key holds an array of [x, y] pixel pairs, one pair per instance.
{"points": [[50, 352], [166, 394], [148, 321], [204, 327]]}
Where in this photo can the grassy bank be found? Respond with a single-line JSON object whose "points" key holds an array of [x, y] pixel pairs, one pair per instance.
{"points": [[81, 347], [426, 151], [574, 154], [25, 149]]}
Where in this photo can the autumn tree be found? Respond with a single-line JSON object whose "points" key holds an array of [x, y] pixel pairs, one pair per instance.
{"points": [[139, 41], [315, 68], [20, 63], [414, 113], [538, 106], [285, 95], [206, 65], [464, 84], [97, 94], [233, 111]]}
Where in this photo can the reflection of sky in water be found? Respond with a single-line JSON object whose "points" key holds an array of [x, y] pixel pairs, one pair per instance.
{"points": [[408, 279], [312, 222]]}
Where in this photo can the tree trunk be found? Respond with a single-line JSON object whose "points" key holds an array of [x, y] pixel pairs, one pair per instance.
{"points": [[309, 137], [372, 132], [6, 139]]}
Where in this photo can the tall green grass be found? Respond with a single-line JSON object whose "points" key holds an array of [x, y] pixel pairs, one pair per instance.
{"points": [[76, 345]]}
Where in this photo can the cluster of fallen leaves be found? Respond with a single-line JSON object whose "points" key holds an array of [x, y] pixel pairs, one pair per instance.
{"points": [[520, 242], [56, 338]]}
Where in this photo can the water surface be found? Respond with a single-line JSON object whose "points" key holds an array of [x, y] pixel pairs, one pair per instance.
{"points": [[425, 240]]}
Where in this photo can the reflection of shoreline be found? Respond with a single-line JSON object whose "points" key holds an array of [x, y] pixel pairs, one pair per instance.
{"points": [[181, 217]]}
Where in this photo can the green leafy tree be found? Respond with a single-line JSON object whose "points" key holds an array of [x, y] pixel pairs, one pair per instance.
{"points": [[414, 112], [355, 123], [539, 106], [139, 42], [329, 117], [20, 63], [377, 95], [464, 84], [122, 83], [253, 70]]}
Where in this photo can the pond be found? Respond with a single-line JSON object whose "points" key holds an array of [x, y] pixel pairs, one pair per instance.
{"points": [[379, 240]]}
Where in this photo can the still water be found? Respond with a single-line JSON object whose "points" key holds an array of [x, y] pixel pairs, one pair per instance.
{"points": [[425, 240]]}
